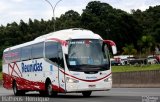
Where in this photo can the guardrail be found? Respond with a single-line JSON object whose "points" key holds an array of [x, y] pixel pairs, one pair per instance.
{"points": [[137, 79]]}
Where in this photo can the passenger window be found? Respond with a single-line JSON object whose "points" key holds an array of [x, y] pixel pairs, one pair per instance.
{"points": [[6, 57], [26, 53], [37, 50], [51, 51], [16, 54], [60, 56]]}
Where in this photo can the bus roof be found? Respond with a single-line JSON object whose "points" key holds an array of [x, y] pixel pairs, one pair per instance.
{"points": [[75, 33], [67, 34]]}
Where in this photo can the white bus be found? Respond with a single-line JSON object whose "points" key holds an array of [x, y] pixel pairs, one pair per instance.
{"points": [[71, 60]]}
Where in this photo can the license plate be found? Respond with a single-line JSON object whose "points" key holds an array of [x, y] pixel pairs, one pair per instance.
{"points": [[91, 85]]}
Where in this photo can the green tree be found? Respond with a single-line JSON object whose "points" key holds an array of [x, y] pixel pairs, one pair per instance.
{"points": [[142, 27], [147, 43], [111, 23], [71, 19], [129, 50]]}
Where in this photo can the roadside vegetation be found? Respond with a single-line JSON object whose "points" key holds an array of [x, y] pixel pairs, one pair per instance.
{"points": [[0, 69], [135, 33], [138, 30], [135, 68], [0, 75], [0, 65]]}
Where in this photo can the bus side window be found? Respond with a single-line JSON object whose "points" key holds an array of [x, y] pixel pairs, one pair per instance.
{"points": [[26, 53], [16, 55], [6, 57], [37, 50], [51, 51], [60, 56]]}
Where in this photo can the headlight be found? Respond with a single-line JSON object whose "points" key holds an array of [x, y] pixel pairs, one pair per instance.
{"points": [[108, 79], [71, 80]]}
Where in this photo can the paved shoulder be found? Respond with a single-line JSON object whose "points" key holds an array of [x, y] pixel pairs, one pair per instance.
{"points": [[114, 95]]}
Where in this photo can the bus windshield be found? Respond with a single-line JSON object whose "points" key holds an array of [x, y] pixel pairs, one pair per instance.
{"points": [[87, 55]]}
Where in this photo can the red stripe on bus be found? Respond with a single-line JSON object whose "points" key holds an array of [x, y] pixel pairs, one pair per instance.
{"points": [[86, 80], [24, 84], [110, 42], [63, 42]]}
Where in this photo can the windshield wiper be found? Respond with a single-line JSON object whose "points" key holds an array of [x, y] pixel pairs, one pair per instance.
{"points": [[87, 66]]}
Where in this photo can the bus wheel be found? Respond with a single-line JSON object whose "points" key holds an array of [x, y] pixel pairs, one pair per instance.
{"points": [[49, 90], [86, 93], [16, 91]]}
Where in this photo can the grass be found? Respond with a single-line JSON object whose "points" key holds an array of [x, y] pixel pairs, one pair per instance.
{"points": [[135, 68]]}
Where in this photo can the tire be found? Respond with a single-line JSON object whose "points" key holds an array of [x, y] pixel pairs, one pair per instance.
{"points": [[16, 91], [86, 93], [49, 90]]}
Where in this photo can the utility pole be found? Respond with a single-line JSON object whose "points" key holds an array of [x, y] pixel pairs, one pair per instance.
{"points": [[53, 9]]}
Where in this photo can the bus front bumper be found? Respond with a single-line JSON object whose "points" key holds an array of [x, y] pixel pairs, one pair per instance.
{"points": [[88, 86]]}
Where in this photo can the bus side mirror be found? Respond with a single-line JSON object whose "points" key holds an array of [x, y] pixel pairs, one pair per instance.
{"points": [[112, 44]]}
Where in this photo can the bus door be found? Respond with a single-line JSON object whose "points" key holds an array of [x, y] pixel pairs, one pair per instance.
{"points": [[61, 71], [53, 52]]}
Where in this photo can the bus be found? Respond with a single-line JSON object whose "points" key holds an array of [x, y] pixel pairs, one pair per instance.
{"points": [[65, 61]]}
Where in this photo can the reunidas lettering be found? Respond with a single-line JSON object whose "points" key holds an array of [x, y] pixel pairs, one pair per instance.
{"points": [[34, 67]]}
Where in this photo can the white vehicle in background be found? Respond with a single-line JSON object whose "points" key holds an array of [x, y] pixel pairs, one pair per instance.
{"points": [[71, 60], [151, 59], [122, 59]]}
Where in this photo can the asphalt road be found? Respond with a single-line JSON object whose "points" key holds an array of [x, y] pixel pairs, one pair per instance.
{"points": [[114, 95]]}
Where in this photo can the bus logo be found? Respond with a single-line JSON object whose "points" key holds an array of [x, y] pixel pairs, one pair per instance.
{"points": [[34, 67]]}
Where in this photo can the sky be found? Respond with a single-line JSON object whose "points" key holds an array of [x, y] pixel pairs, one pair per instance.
{"points": [[15, 10]]}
